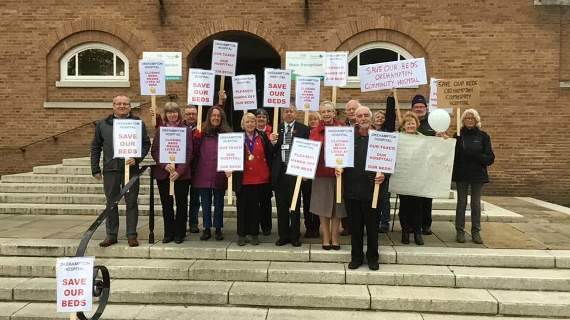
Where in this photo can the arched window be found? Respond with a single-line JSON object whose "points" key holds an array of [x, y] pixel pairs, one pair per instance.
{"points": [[371, 53], [94, 65]]}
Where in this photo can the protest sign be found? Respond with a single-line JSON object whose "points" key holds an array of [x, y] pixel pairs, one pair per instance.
{"points": [[433, 104], [307, 95], [244, 93], [336, 69], [381, 156], [339, 147], [390, 75], [457, 93], [201, 87], [152, 78], [127, 141], [305, 63], [224, 56], [423, 166], [230, 156], [172, 63], [303, 160], [172, 145], [74, 278], [276, 91]]}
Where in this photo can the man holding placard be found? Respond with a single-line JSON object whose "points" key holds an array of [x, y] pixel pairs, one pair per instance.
{"points": [[114, 167]]}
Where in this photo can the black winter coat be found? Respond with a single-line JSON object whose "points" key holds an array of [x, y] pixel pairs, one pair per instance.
{"points": [[473, 154]]}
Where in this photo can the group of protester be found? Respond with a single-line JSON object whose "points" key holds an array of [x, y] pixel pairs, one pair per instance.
{"points": [[266, 155]]}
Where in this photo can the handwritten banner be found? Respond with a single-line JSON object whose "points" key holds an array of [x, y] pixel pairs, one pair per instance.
{"points": [[224, 56], [127, 138], [201, 87], [390, 75], [152, 78], [277, 88], [172, 145], [304, 158], [382, 151], [230, 151], [336, 69], [339, 147], [457, 93], [245, 96], [74, 278], [307, 93]]}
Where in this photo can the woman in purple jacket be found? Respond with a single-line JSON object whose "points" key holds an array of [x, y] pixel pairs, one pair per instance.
{"points": [[174, 227], [207, 180]]}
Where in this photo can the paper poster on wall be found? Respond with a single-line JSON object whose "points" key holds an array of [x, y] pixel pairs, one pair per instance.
{"points": [[172, 63], [172, 145], [307, 93], [390, 75], [382, 151], [277, 88], [127, 138], [201, 87], [224, 57], [336, 68], [305, 63], [244, 92], [339, 147], [304, 158], [152, 78], [74, 277], [230, 151]]}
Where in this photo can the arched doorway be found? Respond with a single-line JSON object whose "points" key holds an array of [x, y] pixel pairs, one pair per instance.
{"points": [[254, 55]]}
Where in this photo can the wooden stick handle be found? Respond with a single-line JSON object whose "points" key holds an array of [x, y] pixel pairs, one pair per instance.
{"points": [[339, 189], [375, 194], [222, 82], [153, 110], [398, 113], [275, 119], [306, 117], [334, 92], [296, 193], [199, 122], [458, 121], [127, 167], [171, 187], [230, 190]]}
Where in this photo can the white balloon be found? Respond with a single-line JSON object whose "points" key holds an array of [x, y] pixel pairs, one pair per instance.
{"points": [[439, 120]]}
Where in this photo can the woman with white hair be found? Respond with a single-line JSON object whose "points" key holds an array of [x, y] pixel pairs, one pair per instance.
{"points": [[473, 154]]}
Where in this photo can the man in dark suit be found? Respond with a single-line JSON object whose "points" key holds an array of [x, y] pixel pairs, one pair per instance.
{"points": [[288, 223]]}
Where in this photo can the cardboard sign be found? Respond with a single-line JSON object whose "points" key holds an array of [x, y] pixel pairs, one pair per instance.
{"points": [[307, 93], [224, 56], [304, 158], [390, 75], [305, 63], [230, 151], [74, 278], [339, 147], [382, 151], [336, 69], [201, 87], [172, 145], [424, 166], [432, 104], [152, 78], [245, 96], [458, 93], [127, 138], [277, 88], [172, 63]]}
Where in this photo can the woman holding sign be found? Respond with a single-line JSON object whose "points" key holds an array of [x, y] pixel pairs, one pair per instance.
{"points": [[253, 183], [165, 172], [209, 182], [323, 188]]}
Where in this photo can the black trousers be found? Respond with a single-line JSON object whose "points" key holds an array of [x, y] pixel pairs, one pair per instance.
{"points": [[249, 208], [411, 213], [362, 215], [174, 226], [312, 221], [266, 210], [288, 223], [426, 212]]}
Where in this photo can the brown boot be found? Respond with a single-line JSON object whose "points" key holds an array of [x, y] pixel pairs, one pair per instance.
{"points": [[107, 242], [133, 242]]}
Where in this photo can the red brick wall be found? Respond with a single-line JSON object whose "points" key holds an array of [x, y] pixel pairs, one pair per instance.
{"points": [[520, 53]]}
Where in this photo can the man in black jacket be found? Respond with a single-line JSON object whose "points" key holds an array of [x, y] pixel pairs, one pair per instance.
{"points": [[288, 223], [114, 172]]}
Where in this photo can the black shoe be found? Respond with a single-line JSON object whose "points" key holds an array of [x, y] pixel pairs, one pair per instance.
{"points": [[281, 242], [418, 239], [241, 241], [167, 239], [327, 246], [354, 264], [335, 246], [296, 243], [107, 242], [405, 237], [266, 232], [206, 234], [219, 235], [373, 265], [194, 229], [254, 240], [178, 240], [384, 228], [426, 231]]}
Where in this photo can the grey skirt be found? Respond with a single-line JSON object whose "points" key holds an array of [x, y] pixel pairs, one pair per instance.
{"points": [[323, 202]]}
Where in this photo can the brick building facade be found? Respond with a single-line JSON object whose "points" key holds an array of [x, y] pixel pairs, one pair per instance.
{"points": [[519, 51]]}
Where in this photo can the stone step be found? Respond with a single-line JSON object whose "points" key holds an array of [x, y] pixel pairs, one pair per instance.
{"points": [[306, 272], [87, 161], [226, 250], [303, 295]]}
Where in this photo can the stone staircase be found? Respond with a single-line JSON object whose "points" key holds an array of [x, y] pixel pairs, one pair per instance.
{"points": [[221, 280]]}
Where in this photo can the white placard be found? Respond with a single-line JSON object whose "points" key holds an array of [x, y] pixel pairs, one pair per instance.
{"points": [[390, 75], [304, 158], [305, 63], [382, 151], [339, 147], [432, 104], [172, 63], [74, 278], [424, 166], [336, 69], [152, 78], [172, 145], [230, 151], [307, 93], [224, 57], [201, 87], [127, 138], [245, 95], [277, 88]]}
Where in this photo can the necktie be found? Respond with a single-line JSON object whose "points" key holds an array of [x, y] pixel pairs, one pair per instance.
{"points": [[288, 139]]}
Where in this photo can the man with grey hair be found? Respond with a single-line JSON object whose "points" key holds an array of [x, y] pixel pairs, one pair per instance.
{"points": [[114, 171], [350, 110]]}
